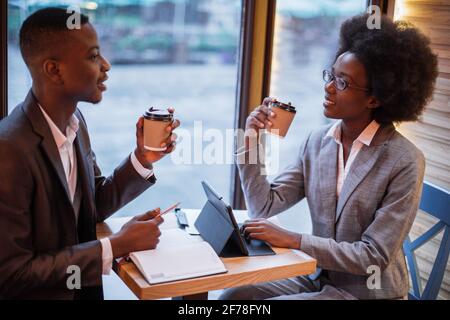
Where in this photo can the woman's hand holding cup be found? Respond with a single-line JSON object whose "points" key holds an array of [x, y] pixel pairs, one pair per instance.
{"points": [[260, 118]]}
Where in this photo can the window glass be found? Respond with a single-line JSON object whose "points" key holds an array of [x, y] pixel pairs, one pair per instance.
{"points": [[178, 53], [305, 42]]}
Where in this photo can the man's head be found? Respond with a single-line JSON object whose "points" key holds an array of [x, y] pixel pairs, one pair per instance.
{"points": [[61, 61]]}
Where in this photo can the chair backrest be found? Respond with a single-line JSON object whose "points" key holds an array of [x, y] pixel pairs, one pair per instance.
{"points": [[436, 202]]}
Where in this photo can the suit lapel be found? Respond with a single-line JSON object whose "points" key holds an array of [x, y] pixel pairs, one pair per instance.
{"points": [[83, 170], [328, 178], [85, 218], [364, 162], [40, 127]]}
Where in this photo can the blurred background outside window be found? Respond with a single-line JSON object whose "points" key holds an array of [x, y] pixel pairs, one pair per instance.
{"points": [[183, 54], [179, 53], [305, 42]]}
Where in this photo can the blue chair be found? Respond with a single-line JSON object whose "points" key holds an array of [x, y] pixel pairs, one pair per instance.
{"points": [[436, 202]]}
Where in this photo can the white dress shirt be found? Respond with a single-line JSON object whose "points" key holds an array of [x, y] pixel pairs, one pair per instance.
{"points": [[365, 138], [67, 153]]}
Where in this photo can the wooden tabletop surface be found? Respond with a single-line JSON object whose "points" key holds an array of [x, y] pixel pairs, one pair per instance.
{"points": [[241, 270]]}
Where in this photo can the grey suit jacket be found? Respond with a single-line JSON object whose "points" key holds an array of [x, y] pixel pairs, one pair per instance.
{"points": [[39, 238], [366, 226]]}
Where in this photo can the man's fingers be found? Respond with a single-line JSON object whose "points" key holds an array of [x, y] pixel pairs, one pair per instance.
{"points": [[170, 148], [175, 124], [154, 213], [148, 215], [158, 220], [172, 139], [140, 123], [140, 127]]}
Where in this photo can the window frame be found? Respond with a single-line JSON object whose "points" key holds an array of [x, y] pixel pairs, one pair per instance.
{"points": [[4, 59], [385, 5], [254, 63]]}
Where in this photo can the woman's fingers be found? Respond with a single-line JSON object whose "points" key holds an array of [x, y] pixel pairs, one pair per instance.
{"points": [[252, 221], [261, 116], [258, 236], [252, 225], [249, 230], [265, 110], [256, 123]]}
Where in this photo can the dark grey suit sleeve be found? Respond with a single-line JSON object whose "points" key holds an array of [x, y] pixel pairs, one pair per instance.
{"points": [[122, 186], [265, 199], [21, 268], [385, 235]]}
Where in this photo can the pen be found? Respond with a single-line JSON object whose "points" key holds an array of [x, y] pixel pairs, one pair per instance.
{"points": [[168, 209]]}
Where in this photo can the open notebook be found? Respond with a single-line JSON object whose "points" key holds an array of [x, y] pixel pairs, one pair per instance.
{"points": [[178, 256]]}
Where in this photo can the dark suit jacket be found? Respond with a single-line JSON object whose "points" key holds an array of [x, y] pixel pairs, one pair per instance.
{"points": [[39, 238]]}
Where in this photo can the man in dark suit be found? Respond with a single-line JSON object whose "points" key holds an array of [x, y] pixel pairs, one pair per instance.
{"points": [[52, 193]]}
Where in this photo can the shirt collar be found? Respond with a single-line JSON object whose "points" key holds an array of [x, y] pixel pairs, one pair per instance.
{"points": [[71, 130], [335, 132], [365, 137], [368, 133]]}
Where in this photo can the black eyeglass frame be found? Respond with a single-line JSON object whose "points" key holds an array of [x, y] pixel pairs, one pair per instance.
{"points": [[328, 77]]}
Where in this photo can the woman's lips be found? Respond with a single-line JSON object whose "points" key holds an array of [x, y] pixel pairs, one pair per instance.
{"points": [[328, 103]]}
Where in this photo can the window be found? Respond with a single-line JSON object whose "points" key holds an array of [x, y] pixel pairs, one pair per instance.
{"points": [[305, 42], [178, 53]]}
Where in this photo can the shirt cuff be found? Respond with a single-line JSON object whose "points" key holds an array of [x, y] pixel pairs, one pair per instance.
{"points": [[241, 151], [143, 172], [107, 256], [244, 156]]}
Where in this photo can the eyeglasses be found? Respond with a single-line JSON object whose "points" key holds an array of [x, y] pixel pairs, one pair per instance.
{"points": [[340, 83]]}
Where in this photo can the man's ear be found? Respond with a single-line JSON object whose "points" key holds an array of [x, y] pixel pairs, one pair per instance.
{"points": [[373, 103], [52, 70]]}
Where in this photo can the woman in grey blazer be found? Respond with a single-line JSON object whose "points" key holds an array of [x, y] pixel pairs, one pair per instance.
{"points": [[362, 179]]}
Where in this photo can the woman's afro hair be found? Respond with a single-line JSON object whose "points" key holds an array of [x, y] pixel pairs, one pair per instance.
{"points": [[400, 65]]}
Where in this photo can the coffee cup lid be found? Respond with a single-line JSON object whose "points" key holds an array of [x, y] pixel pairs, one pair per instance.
{"points": [[288, 107], [158, 114]]}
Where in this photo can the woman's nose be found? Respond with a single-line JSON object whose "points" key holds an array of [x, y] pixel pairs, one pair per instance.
{"points": [[330, 88]]}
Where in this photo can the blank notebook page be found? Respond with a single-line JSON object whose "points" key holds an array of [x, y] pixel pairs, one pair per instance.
{"points": [[175, 260]]}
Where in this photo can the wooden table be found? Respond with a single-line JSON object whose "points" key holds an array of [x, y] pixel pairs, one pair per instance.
{"points": [[241, 271]]}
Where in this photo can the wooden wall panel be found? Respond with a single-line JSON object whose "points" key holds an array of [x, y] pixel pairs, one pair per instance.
{"points": [[432, 133]]}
